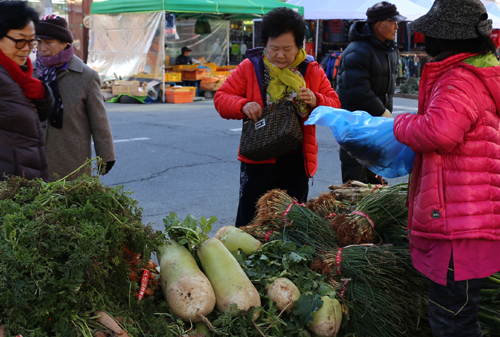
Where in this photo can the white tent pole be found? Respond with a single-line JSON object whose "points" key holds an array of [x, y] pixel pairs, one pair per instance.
{"points": [[228, 41], [317, 39], [162, 39]]}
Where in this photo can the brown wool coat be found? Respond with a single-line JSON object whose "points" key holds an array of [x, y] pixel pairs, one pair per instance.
{"points": [[84, 120]]}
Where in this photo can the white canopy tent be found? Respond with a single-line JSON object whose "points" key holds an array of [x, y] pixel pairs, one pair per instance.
{"points": [[352, 9]]}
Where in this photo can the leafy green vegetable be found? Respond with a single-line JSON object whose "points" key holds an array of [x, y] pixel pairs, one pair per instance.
{"points": [[190, 232], [61, 258], [308, 304], [284, 259]]}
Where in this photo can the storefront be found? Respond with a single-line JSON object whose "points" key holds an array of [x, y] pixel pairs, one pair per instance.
{"points": [[240, 39], [76, 12]]}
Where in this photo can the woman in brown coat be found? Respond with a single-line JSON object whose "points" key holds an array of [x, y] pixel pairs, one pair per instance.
{"points": [[79, 116], [24, 100]]}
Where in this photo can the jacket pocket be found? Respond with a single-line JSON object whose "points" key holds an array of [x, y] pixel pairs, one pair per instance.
{"points": [[440, 187]]}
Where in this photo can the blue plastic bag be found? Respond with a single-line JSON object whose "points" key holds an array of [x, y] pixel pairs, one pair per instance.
{"points": [[368, 139]]}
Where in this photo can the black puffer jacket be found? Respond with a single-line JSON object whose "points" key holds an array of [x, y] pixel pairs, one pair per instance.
{"points": [[22, 151], [367, 73]]}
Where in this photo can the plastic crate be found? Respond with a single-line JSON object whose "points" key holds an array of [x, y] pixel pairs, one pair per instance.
{"points": [[212, 66], [180, 67], [173, 77], [179, 96], [193, 75], [226, 68], [221, 73], [191, 89]]}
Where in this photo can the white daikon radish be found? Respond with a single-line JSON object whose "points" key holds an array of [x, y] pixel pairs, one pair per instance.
{"points": [[326, 321], [234, 238], [230, 283], [284, 292], [187, 290]]}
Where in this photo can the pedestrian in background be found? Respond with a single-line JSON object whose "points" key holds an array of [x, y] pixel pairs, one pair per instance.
{"points": [[366, 79], [79, 116], [454, 201], [24, 100], [184, 57], [268, 75]]}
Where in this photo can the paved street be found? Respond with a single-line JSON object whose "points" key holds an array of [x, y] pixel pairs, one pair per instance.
{"points": [[182, 158]]}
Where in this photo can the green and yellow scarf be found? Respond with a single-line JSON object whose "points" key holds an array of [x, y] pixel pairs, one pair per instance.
{"points": [[284, 81]]}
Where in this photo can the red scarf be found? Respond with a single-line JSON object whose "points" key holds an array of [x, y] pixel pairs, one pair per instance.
{"points": [[31, 87]]}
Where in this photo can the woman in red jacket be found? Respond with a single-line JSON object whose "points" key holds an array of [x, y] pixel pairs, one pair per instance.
{"points": [[454, 204], [280, 70]]}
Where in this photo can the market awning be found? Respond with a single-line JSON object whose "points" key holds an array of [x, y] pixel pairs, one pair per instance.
{"points": [[240, 9], [352, 9]]}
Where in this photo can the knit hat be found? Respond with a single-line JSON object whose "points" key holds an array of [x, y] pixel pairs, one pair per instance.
{"points": [[383, 11], [53, 27], [454, 20]]}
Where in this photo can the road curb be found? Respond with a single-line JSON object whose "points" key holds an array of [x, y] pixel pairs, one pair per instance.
{"points": [[398, 94]]}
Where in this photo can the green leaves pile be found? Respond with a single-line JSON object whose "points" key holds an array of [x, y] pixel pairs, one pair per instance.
{"points": [[284, 259], [61, 247]]}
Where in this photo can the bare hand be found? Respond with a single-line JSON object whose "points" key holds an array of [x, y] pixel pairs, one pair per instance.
{"points": [[252, 110], [308, 97], [33, 105]]}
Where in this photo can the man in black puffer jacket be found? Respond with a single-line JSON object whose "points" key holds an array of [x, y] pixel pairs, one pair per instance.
{"points": [[367, 75]]}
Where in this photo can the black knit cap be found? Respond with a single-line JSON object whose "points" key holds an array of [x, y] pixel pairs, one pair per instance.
{"points": [[53, 27], [383, 11], [454, 20]]}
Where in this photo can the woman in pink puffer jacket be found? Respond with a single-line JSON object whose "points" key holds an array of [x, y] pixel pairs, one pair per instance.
{"points": [[454, 203]]}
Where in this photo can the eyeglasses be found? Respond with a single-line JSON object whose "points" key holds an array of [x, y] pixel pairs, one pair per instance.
{"points": [[21, 43]]}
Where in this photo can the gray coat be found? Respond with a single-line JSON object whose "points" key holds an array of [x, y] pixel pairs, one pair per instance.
{"points": [[84, 119], [22, 151]]}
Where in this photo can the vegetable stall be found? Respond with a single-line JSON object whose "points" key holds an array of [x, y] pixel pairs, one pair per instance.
{"points": [[76, 256]]}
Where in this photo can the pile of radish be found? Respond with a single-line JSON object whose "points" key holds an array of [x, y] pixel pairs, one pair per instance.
{"points": [[199, 274]]}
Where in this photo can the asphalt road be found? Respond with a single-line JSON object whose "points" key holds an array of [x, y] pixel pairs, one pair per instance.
{"points": [[182, 158]]}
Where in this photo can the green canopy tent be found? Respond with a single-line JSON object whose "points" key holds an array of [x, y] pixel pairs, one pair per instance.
{"points": [[239, 9], [123, 32]]}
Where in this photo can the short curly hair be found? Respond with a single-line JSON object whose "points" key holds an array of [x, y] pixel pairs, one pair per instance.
{"points": [[15, 15], [283, 20]]}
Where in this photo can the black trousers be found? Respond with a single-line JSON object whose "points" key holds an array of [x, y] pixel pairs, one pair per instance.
{"points": [[352, 170], [256, 179], [453, 309]]}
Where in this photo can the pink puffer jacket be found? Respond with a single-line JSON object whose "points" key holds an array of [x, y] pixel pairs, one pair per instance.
{"points": [[455, 191]]}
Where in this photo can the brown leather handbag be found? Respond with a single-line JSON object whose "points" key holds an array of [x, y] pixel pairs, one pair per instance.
{"points": [[275, 133]]}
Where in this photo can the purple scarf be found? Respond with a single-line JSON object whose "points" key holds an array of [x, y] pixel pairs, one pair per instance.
{"points": [[47, 68]]}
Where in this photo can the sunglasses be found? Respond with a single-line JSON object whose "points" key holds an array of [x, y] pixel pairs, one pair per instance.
{"points": [[21, 43]]}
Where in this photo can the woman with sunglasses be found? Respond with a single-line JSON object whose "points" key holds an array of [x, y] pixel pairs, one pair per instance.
{"points": [[24, 100]]}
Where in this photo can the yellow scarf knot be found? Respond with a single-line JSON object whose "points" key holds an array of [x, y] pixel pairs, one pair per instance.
{"points": [[284, 82]]}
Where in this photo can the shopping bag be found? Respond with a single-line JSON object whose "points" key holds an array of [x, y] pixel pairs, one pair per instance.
{"points": [[277, 132], [367, 138]]}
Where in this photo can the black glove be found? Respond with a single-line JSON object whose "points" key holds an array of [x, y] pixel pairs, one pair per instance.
{"points": [[106, 167]]}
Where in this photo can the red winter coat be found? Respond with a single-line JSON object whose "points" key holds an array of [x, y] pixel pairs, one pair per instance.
{"points": [[455, 190], [242, 87]]}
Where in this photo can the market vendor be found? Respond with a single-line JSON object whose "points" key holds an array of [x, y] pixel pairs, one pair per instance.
{"points": [[184, 58]]}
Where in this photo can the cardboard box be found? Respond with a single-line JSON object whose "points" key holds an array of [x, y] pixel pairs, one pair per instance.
{"points": [[126, 83], [132, 90]]}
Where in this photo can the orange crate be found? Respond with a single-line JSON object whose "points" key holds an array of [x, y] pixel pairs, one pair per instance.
{"points": [[179, 96], [194, 75], [173, 77], [221, 73]]}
